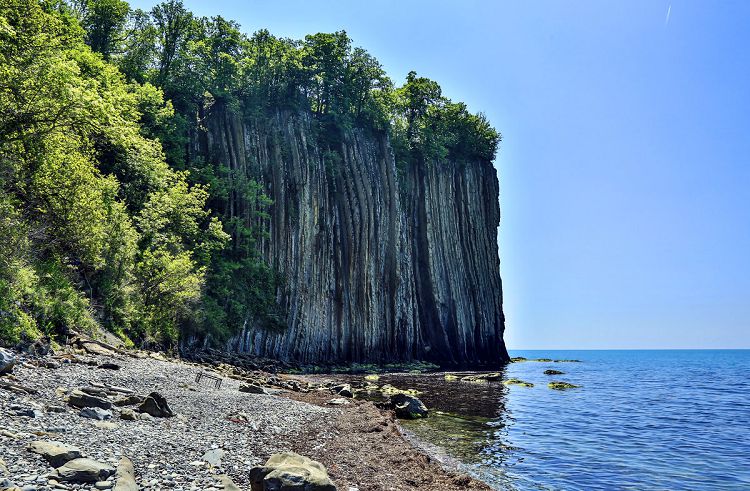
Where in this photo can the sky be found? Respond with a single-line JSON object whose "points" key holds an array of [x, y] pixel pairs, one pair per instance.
{"points": [[625, 162]]}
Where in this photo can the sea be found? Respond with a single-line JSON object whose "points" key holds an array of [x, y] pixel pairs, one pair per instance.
{"points": [[638, 420]]}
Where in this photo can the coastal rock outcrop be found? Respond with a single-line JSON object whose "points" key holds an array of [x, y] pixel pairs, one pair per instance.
{"points": [[382, 262], [290, 471]]}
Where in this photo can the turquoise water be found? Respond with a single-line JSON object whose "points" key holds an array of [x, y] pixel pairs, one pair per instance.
{"points": [[668, 420]]}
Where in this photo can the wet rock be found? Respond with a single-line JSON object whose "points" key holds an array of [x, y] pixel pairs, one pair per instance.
{"points": [[95, 413], [562, 385], [55, 453], [7, 361], [290, 471], [82, 470], [252, 389], [408, 407], [109, 366], [553, 372], [125, 476], [79, 398], [483, 377], [344, 390], [156, 405], [450, 377], [515, 381]]}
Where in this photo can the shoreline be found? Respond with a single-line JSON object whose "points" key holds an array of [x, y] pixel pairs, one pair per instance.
{"points": [[361, 446]]}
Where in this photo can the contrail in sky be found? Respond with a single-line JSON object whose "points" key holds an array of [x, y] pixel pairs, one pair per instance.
{"points": [[669, 12]]}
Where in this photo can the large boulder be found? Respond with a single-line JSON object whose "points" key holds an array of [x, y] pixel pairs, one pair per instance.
{"points": [[79, 398], [156, 405], [83, 470], [55, 453], [408, 407], [289, 471], [7, 361]]}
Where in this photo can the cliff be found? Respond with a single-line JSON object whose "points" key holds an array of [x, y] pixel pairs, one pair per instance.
{"points": [[381, 263]]}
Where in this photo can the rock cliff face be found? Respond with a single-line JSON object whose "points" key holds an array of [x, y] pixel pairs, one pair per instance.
{"points": [[380, 264]]}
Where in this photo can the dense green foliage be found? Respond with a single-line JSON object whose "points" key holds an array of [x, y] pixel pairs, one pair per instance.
{"points": [[109, 219]]}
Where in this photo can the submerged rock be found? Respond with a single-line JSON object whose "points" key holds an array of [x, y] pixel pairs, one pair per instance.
{"points": [[515, 381], [389, 390], [553, 372], [562, 385], [290, 471], [483, 377], [408, 407]]}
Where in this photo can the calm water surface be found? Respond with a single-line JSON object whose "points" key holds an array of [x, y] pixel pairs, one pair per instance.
{"points": [[668, 420]]}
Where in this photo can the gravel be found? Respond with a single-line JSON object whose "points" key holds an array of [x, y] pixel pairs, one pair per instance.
{"points": [[167, 453]]}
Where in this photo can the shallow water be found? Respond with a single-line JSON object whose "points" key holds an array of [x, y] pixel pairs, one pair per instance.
{"points": [[641, 420]]}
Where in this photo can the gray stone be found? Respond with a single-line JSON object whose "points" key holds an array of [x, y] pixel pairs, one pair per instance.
{"points": [[129, 400], [55, 453], [128, 414], [289, 472], [125, 476], [79, 398], [83, 470], [344, 390], [252, 389], [213, 457], [96, 413], [227, 484], [7, 361]]}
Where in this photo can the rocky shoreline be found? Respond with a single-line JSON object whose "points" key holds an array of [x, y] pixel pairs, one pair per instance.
{"points": [[122, 408]]}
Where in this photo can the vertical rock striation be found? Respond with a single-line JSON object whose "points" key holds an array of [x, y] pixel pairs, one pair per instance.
{"points": [[380, 264]]}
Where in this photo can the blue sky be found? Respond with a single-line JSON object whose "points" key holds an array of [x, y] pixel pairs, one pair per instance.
{"points": [[624, 167]]}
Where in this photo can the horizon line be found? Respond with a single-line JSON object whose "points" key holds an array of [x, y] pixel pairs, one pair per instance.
{"points": [[628, 349]]}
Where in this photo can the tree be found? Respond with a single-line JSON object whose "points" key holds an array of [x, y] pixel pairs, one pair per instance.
{"points": [[103, 21]]}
